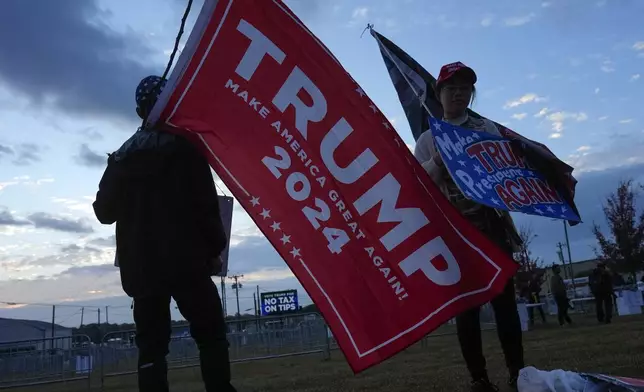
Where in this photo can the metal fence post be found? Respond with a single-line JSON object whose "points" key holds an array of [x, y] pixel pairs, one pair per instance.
{"points": [[327, 347], [102, 362], [90, 366]]}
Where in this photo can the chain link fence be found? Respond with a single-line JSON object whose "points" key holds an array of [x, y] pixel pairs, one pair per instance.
{"points": [[76, 358], [249, 339], [46, 361]]}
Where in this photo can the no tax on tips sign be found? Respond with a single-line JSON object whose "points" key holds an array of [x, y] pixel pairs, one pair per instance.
{"points": [[279, 302]]}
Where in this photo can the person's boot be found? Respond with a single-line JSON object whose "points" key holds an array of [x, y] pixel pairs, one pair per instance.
{"points": [[483, 385], [512, 382], [153, 376], [215, 366], [514, 377]]}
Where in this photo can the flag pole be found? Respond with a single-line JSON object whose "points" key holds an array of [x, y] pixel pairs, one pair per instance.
{"points": [[386, 50]]}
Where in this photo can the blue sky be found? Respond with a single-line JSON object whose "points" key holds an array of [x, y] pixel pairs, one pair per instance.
{"points": [[568, 73]]}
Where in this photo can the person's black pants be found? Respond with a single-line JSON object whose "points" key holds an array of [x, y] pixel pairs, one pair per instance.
{"points": [[199, 302], [604, 307], [508, 325], [562, 309], [535, 300]]}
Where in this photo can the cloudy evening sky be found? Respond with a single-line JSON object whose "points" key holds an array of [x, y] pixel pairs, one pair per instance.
{"points": [[568, 73]]}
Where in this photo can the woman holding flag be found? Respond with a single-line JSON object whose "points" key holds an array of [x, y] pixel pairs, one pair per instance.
{"points": [[455, 90]]}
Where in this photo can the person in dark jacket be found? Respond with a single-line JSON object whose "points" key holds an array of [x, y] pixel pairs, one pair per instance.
{"points": [[159, 190], [558, 290], [601, 285]]}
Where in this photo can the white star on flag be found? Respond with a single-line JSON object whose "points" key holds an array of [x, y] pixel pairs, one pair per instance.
{"points": [[478, 169], [276, 226], [437, 126], [295, 252], [550, 210], [265, 213], [360, 91], [285, 239], [373, 107], [468, 194], [563, 209], [462, 163], [495, 201], [254, 201], [386, 124], [476, 136], [538, 211]]}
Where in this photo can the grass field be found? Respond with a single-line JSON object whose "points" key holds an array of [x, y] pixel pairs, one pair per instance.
{"points": [[616, 349]]}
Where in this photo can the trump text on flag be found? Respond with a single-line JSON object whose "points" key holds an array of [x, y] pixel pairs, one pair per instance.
{"points": [[490, 170], [327, 180]]}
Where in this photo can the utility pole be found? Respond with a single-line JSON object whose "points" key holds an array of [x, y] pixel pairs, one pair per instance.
{"points": [[107, 315], [255, 303], [236, 286], [223, 296], [569, 269], [567, 241], [562, 259], [82, 315], [255, 306], [572, 270], [258, 306], [53, 323]]}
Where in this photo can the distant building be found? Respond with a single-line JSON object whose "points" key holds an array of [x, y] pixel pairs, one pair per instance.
{"points": [[28, 335]]}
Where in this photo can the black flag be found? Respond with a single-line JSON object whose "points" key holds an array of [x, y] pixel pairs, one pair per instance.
{"points": [[416, 91], [415, 86]]}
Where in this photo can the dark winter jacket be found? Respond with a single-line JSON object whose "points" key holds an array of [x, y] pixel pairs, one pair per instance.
{"points": [[558, 286], [600, 282], [159, 190]]}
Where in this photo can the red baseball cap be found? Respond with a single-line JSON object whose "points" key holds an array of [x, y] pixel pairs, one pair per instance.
{"points": [[449, 70]]}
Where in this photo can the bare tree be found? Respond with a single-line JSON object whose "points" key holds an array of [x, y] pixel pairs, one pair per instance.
{"points": [[524, 256], [624, 247]]}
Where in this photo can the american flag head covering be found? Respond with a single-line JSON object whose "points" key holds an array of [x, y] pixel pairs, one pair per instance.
{"points": [[148, 91]]}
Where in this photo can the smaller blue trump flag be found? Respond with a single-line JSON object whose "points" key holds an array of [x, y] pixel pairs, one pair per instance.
{"points": [[489, 171]]}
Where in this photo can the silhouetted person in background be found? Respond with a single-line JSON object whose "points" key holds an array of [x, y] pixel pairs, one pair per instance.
{"points": [[558, 290], [534, 292], [159, 190], [601, 285]]}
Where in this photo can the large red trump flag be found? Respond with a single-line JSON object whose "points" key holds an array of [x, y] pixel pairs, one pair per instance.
{"points": [[327, 179]]}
